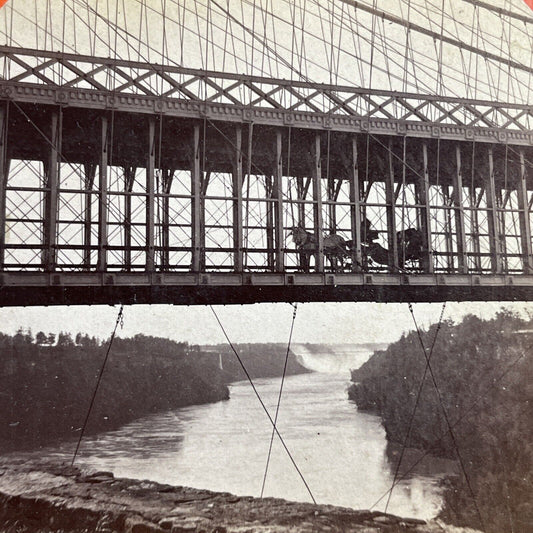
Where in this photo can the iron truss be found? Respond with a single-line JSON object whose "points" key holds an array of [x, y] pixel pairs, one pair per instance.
{"points": [[103, 83], [127, 182]]}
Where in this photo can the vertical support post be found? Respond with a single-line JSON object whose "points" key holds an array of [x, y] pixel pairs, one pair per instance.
{"points": [[332, 213], [501, 202], [150, 198], [237, 203], [391, 214], [355, 210], [316, 174], [525, 227], [301, 194], [474, 203], [89, 175], [4, 173], [102, 203], [278, 205], [196, 207], [52, 198], [129, 179], [492, 217], [459, 213], [422, 196], [271, 253], [167, 175], [450, 257]]}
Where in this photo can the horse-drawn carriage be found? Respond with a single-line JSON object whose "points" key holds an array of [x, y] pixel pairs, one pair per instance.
{"points": [[339, 251]]}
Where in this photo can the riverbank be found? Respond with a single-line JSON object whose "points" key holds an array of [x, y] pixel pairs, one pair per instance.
{"points": [[473, 405], [40, 498]]}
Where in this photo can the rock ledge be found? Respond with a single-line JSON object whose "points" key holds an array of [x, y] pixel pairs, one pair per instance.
{"points": [[44, 498]]}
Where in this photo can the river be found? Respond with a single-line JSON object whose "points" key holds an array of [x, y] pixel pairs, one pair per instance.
{"points": [[342, 453]]}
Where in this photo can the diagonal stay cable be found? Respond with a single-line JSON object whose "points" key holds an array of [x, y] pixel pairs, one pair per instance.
{"points": [[118, 321], [447, 420], [418, 396], [274, 426], [262, 404]]}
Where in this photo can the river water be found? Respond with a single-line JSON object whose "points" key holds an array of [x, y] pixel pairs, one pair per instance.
{"points": [[342, 453]]}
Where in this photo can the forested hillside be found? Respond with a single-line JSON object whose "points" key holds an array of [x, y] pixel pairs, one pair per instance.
{"points": [[48, 381], [484, 373], [47, 388]]}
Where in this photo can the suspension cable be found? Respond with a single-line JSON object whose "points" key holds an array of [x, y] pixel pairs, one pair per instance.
{"points": [[262, 403], [279, 398], [120, 320]]}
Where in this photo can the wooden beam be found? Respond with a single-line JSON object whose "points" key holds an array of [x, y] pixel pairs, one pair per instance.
{"points": [[301, 195], [422, 194], [129, 180], [88, 185], [237, 203], [474, 222], [524, 214], [355, 209], [459, 213], [316, 174], [150, 198], [450, 257], [277, 194], [391, 213], [102, 198], [501, 200], [167, 176], [196, 207], [492, 217], [4, 174], [271, 253], [52, 168]]}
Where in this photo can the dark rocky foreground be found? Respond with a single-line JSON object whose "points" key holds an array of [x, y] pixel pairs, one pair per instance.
{"points": [[43, 498]]}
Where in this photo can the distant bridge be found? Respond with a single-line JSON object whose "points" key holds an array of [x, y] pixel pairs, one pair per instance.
{"points": [[134, 181]]}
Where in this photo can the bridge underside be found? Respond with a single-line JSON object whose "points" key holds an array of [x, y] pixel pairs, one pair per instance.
{"points": [[110, 198], [23, 289]]}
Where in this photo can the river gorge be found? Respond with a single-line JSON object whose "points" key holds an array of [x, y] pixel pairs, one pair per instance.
{"points": [[223, 446]]}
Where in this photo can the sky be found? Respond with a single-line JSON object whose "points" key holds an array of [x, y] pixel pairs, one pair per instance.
{"points": [[315, 322]]}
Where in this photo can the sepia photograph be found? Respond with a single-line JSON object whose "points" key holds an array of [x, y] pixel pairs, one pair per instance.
{"points": [[266, 266]]}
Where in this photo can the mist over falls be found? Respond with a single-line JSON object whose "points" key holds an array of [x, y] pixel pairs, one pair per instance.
{"points": [[334, 358]]}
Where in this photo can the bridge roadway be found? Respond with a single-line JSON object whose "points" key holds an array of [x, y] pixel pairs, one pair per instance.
{"points": [[129, 182]]}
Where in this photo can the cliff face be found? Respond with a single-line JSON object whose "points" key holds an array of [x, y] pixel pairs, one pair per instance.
{"points": [[484, 372]]}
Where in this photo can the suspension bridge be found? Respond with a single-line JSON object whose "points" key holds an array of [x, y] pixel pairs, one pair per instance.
{"points": [[168, 151]]}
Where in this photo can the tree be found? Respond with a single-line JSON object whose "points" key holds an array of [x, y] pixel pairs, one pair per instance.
{"points": [[64, 340], [41, 338], [51, 338]]}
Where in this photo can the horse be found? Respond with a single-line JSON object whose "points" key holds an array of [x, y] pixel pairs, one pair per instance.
{"points": [[334, 246], [410, 248]]}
